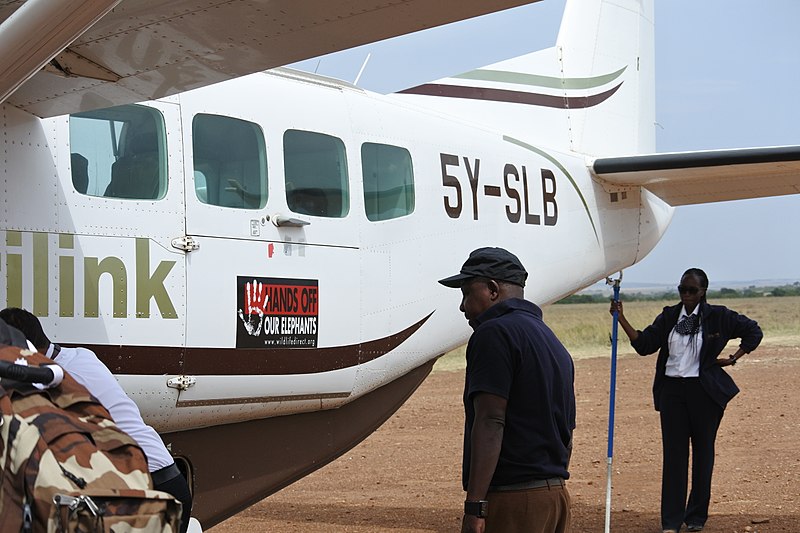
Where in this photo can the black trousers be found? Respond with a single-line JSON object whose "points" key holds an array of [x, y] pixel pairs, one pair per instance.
{"points": [[688, 414], [170, 480]]}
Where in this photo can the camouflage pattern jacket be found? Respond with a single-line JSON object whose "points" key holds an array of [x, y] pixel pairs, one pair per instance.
{"points": [[61, 441]]}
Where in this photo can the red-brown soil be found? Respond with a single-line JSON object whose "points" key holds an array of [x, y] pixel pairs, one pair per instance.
{"points": [[406, 476]]}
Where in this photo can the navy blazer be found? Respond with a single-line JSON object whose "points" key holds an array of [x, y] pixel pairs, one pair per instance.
{"points": [[719, 324]]}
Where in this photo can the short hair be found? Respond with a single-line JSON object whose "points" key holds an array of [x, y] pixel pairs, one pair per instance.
{"points": [[28, 324], [511, 288], [514, 289]]}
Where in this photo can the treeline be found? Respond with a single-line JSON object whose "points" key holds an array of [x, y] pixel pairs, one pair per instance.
{"points": [[724, 292]]}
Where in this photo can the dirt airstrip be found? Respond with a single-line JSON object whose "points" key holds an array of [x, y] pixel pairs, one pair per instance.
{"points": [[405, 477]]}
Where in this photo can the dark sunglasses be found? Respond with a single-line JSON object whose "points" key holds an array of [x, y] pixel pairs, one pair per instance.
{"points": [[682, 289]]}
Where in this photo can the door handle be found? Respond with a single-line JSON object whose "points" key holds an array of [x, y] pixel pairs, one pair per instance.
{"points": [[283, 221]]}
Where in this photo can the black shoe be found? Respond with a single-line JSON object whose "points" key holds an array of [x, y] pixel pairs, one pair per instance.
{"points": [[694, 527]]}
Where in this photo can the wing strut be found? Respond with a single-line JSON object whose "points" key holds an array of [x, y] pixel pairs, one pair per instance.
{"points": [[38, 31]]}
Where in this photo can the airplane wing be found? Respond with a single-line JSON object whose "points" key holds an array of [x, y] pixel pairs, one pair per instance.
{"points": [[75, 55], [686, 178]]}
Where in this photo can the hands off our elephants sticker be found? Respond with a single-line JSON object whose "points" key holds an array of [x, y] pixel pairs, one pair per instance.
{"points": [[277, 312]]}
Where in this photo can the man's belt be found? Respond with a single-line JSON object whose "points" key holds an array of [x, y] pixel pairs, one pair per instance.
{"points": [[532, 484], [162, 475]]}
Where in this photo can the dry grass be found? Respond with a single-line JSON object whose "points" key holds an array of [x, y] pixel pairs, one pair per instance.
{"points": [[585, 329]]}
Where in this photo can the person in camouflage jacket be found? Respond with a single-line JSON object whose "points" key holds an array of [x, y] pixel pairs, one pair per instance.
{"points": [[61, 441]]}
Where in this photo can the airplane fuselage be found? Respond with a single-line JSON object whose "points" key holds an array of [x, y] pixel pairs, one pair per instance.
{"points": [[285, 259]]}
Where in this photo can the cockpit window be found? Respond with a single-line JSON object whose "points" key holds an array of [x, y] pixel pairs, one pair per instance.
{"points": [[230, 162], [315, 166], [388, 181], [119, 152]]}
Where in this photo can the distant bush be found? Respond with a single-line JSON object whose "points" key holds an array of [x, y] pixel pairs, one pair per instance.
{"points": [[585, 329], [724, 292]]}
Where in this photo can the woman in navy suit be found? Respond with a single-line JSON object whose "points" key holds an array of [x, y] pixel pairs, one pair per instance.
{"points": [[690, 390]]}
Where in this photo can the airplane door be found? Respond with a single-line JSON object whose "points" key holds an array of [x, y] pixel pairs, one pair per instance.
{"points": [[272, 266], [120, 201]]}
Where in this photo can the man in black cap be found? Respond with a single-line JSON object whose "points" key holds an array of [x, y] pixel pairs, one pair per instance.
{"points": [[519, 402]]}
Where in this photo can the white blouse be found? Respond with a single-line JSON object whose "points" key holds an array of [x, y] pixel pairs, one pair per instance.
{"points": [[684, 351]]}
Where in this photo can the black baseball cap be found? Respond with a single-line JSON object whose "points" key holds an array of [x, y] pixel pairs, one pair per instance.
{"points": [[493, 263]]}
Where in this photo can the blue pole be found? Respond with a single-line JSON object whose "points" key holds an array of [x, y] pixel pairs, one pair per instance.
{"points": [[613, 388], [611, 401]]}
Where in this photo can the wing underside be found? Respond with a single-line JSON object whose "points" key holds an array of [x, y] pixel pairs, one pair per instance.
{"points": [[687, 178], [75, 55]]}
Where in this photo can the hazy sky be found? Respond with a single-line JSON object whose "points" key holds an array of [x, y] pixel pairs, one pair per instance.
{"points": [[727, 76]]}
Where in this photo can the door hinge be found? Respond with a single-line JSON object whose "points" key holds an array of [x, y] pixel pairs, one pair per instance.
{"points": [[181, 382], [185, 243]]}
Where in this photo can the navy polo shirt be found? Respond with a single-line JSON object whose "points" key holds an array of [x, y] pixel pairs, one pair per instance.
{"points": [[513, 354]]}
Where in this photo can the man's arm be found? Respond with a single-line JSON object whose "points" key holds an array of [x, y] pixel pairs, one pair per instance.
{"points": [[486, 441]]}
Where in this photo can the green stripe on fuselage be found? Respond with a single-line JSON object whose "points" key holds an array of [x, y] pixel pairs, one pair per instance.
{"points": [[535, 80]]}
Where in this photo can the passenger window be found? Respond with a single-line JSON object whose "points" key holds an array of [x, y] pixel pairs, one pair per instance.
{"points": [[119, 152], [315, 166], [230, 162], [388, 181]]}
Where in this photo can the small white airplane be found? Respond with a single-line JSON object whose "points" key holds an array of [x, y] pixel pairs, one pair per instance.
{"points": [[255, 253]]}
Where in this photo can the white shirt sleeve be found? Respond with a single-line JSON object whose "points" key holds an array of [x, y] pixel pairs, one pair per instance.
{"points": [[84, 366]]}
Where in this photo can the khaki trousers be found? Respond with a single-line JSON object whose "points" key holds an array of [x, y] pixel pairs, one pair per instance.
{"points": [[539, 510]]}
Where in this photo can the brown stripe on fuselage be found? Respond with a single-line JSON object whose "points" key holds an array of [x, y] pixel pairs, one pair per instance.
{"points": [[143, 360], [261, 399], [514, 97]]}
